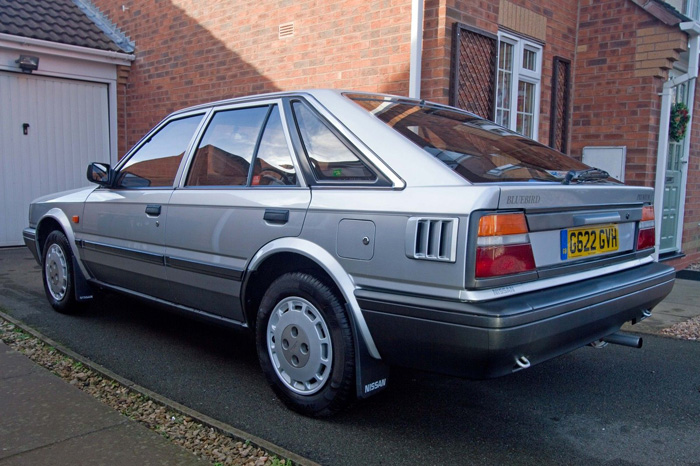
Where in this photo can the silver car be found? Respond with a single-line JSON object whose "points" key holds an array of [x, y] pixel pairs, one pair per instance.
{"points": [[353, 231]]}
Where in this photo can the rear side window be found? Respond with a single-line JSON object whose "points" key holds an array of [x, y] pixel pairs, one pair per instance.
{"points": [[243, 147], [156, 162], [226, 150], [273, 162], [329, 157]]}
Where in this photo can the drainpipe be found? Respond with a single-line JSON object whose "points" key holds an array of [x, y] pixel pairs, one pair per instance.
{"points": [[416, 49], [693, 30]]}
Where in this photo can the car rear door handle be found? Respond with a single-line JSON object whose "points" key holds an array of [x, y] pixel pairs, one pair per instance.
{"points": [[153, 209], [276, 216]]}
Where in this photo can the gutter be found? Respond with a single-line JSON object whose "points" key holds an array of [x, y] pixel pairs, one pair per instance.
{"points": [[414, 76], [27, 44], [693, 30]]}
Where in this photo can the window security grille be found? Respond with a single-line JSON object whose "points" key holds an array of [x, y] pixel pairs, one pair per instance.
{"points": [[473, 82], [559, 114]]}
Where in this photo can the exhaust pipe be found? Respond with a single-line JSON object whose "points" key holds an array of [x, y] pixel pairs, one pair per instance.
{"points": [[624, 340]]}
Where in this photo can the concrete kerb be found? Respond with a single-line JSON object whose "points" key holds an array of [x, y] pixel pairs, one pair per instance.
{"points": [[221, 427]]}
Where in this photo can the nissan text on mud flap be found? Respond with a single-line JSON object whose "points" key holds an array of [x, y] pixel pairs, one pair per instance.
{"points": [[351, 232]]}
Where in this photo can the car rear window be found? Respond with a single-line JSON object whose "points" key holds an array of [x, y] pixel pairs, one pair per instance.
{"points": [[477, 149]]}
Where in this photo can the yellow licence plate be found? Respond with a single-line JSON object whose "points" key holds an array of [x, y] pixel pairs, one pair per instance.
{"points": [[588, 241]]}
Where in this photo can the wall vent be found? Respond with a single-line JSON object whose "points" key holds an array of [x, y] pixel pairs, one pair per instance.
{"points": [[432, 239], [286, 30]]}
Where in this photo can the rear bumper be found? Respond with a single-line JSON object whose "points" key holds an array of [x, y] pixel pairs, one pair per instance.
{"points": [[483, 340]]}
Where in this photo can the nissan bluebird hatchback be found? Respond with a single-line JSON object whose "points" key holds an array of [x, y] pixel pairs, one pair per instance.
{"points": [[353, 231]]}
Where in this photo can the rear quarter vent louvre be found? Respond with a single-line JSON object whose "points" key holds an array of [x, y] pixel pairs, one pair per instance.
{"points": [[432, 239]]}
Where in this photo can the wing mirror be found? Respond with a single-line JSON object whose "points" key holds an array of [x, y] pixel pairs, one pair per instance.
{"points": [[99, 173]]}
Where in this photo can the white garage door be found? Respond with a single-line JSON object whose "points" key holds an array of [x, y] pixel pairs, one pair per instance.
{"points": [[50, 129]]}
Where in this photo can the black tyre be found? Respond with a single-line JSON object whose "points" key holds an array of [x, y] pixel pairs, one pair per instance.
{"points": [[305, 345], [59, 278]]}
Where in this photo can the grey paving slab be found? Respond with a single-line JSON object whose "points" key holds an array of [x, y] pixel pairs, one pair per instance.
{"points": [[675, 309], [39, 409], [124, 445], [13, 364], [685, 292], [45, 420]]}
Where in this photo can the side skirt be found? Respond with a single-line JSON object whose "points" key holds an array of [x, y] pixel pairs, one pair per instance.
{"points": [[184, 310]]}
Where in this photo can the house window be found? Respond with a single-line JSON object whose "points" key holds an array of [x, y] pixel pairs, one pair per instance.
{"points": [[691, 8], [518, 91]]}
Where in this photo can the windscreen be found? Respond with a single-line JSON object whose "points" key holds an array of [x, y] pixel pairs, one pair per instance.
{"points": [[479, 150]]}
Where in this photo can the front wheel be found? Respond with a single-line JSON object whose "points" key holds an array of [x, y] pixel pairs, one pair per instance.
{"points": [[305, 345], [58, 273]]}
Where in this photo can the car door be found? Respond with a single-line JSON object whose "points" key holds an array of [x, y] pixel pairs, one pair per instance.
{"points": [[122, 230], [240, 192]]}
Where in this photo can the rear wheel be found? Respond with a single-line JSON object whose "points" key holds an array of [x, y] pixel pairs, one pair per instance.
{"points": [[305, 345], [58, 274]]}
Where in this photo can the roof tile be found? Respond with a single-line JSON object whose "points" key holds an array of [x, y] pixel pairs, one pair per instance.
{"points": [[53, 20]]}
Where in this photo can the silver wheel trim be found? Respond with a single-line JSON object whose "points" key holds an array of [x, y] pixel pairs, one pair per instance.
{"points": [[56, 270], [293, 323]]}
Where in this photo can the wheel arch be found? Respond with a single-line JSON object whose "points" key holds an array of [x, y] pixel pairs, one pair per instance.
{"points": [[295, 254], [56, 219]]}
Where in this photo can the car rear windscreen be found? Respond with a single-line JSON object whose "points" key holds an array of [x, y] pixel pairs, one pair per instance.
{"points": [[477, 149]]}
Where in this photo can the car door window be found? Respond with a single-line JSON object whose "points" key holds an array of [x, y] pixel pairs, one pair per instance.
{"points": [[226, 151], [273, 164], [156, 162], [329, 157]]}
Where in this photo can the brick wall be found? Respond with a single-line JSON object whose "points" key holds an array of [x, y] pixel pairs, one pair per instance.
{"points": [[551, 22], [190, 51], [623, 58], [122, 123]]}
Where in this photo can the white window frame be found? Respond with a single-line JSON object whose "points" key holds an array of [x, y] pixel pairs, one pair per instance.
{"points": [[692, 9], [521, 74]]}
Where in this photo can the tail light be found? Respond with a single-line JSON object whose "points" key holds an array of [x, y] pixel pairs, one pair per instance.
{"points": [[503, 246], [646, 238]]}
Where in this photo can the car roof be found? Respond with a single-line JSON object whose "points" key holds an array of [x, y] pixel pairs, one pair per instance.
{"points": [[320, 95]]}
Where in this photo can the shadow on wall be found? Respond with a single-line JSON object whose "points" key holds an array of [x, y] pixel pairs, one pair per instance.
{"points": [[178, 63], [193, 54]]}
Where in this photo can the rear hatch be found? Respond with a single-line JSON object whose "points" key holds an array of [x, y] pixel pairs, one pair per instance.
{"points": [[556, 218], [550, 231]]}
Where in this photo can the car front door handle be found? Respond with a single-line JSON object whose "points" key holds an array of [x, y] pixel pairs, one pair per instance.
{"points": [[153, 210], [276, 216]]}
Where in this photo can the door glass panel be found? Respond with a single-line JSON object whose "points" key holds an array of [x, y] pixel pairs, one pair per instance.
{"points": [[156, 162], [226, 150], [273, 163]]}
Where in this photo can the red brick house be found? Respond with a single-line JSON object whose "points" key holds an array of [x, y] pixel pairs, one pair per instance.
{"points": [[596, 79]]}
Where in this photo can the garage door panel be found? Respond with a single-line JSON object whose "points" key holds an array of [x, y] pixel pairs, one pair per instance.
{"points": [[68, 128]]}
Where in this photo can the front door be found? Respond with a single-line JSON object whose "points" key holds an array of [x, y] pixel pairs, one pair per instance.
{"points": [[122, 231], [670, 227]]}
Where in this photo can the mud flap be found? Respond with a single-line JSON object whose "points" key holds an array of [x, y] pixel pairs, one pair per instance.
{"points": [[83, 290], [371, 375]]}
